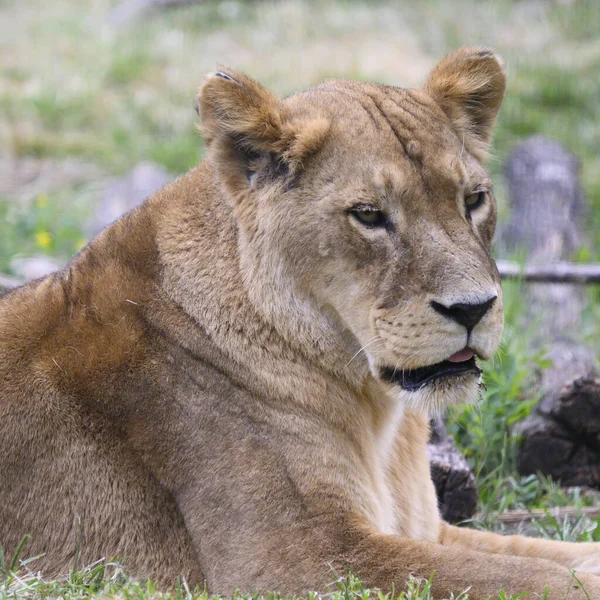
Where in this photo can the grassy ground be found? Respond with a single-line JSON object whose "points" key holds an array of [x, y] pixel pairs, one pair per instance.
{"points": [[107, 580], [78, 94]]}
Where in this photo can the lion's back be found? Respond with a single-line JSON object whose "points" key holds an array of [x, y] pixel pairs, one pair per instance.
{"points": [[68, 481]]}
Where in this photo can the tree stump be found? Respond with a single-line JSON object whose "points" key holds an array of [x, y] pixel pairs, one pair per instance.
{"points": [[562, 437], [548, 207]]}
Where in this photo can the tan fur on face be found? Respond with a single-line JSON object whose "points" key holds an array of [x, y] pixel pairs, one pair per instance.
{"points": [[199, 392]]}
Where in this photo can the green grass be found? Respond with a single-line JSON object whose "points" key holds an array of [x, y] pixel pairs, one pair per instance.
{"points": [[485, 431], [52, 224], [108, 580]]}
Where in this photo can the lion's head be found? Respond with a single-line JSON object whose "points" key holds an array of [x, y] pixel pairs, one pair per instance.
{"points": [[365, 213]]}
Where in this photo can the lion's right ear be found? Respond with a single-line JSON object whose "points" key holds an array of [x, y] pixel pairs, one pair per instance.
{"points": [[250, 133], [469, 86]]}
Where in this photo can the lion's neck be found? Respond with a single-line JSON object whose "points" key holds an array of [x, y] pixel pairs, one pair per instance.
{"points": [[245, 303]]}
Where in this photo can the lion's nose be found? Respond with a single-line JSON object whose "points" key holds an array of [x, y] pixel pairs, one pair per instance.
{"points": [[467, 315]]}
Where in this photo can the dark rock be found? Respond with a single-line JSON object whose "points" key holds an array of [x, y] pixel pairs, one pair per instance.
{"points": [[453, 480], [452, 477], [562, 439]]}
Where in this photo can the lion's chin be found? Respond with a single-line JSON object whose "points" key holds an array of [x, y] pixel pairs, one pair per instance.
{"points": [[437, 393]]}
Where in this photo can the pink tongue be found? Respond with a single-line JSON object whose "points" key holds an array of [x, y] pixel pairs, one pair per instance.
{"points": [[461, 356]]}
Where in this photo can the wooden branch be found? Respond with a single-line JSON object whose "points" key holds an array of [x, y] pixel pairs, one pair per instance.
{"points": [[516, 517], [560, 272], [524, 522]]}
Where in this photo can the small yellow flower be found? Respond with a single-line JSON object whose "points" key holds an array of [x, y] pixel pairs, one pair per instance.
{"points": [[80, 243], [43, 239], [41, 201]]}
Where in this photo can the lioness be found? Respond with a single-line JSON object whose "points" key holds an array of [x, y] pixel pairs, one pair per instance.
{"points": [[232, 381]]}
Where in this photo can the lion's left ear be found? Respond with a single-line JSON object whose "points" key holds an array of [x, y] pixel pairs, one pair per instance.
{"points": [[469, 86], [251, 134]]}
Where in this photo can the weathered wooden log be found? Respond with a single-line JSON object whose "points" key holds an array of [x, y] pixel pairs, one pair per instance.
{"points": [[547, 202], [562, 437], [562, 272], [452, 477]]}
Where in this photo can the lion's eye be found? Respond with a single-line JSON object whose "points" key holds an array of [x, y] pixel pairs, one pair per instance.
{"points": [[475, 200], [369, 215]]}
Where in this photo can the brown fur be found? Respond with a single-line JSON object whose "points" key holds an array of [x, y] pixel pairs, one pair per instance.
{"points": [[198, 392]]}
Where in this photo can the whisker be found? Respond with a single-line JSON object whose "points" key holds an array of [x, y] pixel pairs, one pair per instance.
{"points": [[362, 348]]}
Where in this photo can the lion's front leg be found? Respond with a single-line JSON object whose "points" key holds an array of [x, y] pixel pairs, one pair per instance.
{"points": [[578, 556]]}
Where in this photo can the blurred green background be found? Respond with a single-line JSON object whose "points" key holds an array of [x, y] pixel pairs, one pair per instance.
{"points": [[85, 98]]}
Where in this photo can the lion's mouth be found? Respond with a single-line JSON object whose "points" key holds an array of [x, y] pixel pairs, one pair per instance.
{"points": [[415, 379]]}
